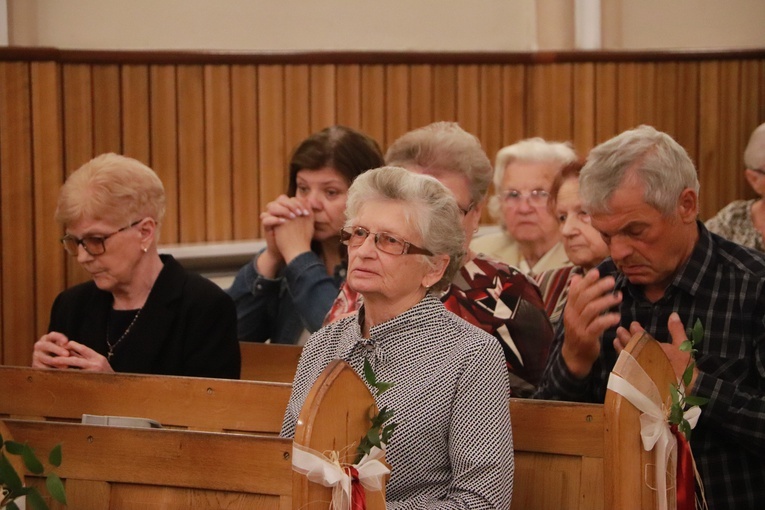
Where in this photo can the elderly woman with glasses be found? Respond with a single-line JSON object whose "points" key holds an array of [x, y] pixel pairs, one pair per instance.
{"points": [[452, 446], [488, 293], [142, 312], [523, 175], [743, 221]]}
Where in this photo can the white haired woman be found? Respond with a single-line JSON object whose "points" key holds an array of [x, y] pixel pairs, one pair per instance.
{"points": [[453, 443], [142, 312]]}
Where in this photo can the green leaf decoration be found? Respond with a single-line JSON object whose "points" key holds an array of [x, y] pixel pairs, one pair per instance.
{"points": [[686, 346], [36, 501], [31, 461], [697, 335], [382, 387], [14, 448], [693, 400], [55, 456], [369, 374], [55, 487], [688, 374], [10, 477]]}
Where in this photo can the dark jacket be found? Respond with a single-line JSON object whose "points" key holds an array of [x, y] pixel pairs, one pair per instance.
{"points": [[186, 327]]}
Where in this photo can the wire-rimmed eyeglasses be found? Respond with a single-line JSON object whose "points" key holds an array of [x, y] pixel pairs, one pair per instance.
{"points": [[536, 197], [94, 245], [389, 243]]}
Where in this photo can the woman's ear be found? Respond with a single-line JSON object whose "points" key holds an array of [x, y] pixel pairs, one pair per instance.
{"points": [[437, 267], [147, 228]]}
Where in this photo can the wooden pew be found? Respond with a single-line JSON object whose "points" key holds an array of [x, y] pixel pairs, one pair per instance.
{"points": [[179, 402], [116, 468], [269, 362], [587, 456]]}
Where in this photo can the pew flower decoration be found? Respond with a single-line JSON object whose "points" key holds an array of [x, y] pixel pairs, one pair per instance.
{"points": [[12, 484], [379, 433], [684, 406]]}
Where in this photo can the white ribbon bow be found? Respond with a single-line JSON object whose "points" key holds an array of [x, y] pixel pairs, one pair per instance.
{"points": [[327, 471], [654, 427]]}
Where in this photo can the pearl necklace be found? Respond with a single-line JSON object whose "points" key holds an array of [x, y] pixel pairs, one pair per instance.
{"points": [[112, 346]]}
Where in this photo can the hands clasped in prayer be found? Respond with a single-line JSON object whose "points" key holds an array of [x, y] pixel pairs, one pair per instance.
{"points": [[55, 350]]}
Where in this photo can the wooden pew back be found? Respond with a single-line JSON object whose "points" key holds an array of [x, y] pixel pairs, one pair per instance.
{"points": [[180, 402], [269, 362]]}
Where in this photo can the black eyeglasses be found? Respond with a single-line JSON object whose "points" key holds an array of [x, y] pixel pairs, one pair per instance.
{"points": [[537, 197], [94, 245], [389, 243]]}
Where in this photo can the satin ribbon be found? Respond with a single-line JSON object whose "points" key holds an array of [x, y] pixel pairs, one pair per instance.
{"points": [[655, 431], [327, 471]]}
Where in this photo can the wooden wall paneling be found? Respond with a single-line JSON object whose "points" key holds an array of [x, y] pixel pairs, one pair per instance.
{"points": [[550, 102], [583, 107], [645, 96], [490, 107], [606, 101], [397, 102], [626, 93], [421, 93], [444, 92], [752, 113], [666, 97], [107, 111], [687, 107], [218, 168], [710, 128], [78, 135], [297, 109], [323, 103], [373, 103], [469, 98], [135, 112], [731, 143], [163, 138], [514, 105], [48, 165], [245, 162], [191, 154], [17, 263], [273, 151], [348, 83]]}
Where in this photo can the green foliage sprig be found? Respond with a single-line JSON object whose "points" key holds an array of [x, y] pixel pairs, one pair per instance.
{"points": [[680, 401], [12, 484], [378, 432]]}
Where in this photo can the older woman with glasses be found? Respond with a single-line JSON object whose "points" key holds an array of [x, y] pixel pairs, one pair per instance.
{"points": [[523, 175], [743, 221], [452, 446], [488, 293], [142, 312]]}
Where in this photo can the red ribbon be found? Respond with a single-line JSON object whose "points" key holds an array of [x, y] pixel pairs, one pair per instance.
{"points": [[686, 479], [358, 495]]}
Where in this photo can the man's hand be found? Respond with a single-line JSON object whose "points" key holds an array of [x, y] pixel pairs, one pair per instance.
{"points": [[585, 318], [679, 359]]}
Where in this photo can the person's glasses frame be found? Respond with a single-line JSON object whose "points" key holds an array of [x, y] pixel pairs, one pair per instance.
{"points": [[94, 245], [354, 236], [536, 197]]}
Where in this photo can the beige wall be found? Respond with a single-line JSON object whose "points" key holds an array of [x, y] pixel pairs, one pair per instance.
{"points": [[392, 25]]}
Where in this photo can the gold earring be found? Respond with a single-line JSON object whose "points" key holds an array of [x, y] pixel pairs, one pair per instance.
{"points": [[145, 249]]}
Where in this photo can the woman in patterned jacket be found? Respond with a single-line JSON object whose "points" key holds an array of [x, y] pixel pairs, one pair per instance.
{"points": [[452, 447]]}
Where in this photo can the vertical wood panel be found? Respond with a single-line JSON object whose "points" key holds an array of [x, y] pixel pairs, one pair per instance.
{"points": [[730, 145], [135, 112], [396, 102], [273, 162], [164, 144], [709, 129], [50, 277], [107, 129], [244, 136], [349, 95], [373, 104], [421, 96], [514, 114], [191, 154], [445, 92], [550, 105], [491, 119], [468, 97], [606, 100], [297, 109], [583, 108], [16, 189], [687, 104], [322, 104], [217, 126]]}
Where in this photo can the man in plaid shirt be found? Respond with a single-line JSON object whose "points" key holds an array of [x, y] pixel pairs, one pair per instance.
{"points": [[667, 270]]}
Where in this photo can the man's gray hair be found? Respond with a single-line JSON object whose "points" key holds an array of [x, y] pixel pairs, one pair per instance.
{"points": [[430, 209], [650, 156], [754, 155]]}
